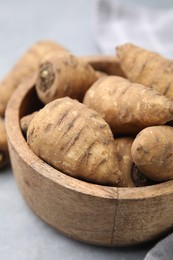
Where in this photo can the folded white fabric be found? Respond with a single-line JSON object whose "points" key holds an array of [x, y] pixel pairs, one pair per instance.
{"points": [[120, 21], [117, 22]]}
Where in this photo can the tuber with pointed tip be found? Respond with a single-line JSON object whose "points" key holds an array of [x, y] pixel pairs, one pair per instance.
{"points": [[128, 107], [26, 120], [24, 68], [147, 68], [75, 140], [62, 74]]}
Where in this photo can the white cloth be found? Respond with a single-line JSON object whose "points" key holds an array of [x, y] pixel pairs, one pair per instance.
{"points": [[117, 22], [120, 21]]}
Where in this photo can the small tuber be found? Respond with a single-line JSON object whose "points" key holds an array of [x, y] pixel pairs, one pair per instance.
{"points": [[147, 68], [62, 74], [152, 152]]}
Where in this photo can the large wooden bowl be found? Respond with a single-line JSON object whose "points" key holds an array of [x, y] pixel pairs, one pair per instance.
{"points": [[92, 213]]}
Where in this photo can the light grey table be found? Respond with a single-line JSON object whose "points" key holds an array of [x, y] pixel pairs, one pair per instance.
{"points": [[23, 236]]}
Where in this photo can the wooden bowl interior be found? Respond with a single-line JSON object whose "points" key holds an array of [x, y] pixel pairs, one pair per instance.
{"points": [[30, 103]]}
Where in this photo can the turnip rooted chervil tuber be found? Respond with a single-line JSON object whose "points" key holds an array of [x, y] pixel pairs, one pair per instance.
{"points": [[4, 156], [63, 74], [76, 140], [147, 68], [128, 107], [24, 68]]}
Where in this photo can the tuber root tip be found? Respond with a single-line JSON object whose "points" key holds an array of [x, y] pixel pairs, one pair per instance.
{"points": [[44, 74]]}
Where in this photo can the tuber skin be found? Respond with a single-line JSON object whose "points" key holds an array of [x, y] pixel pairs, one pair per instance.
{"points": [[123, 154], [62, 74], [152, 152], [147, 68], [75, 140], [25, 121], [107, 64], [24, 68], [4, 156], [128, 107]]}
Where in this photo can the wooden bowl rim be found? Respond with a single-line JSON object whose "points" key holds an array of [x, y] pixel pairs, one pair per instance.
{"points": [[46, 171]]}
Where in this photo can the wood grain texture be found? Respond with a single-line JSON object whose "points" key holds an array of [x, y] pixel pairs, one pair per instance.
{"points": [[92, 213]]}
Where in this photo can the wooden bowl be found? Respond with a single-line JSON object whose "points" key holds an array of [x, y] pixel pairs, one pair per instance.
{"points": [[92, 213]]}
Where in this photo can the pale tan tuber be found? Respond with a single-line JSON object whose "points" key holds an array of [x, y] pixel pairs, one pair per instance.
{"points": [[75, 140], [63, 74], [128, 107], [152, 152], [147, 68], [24, 68]]}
